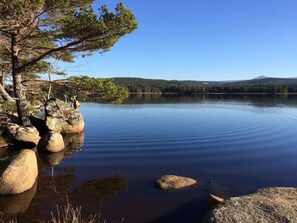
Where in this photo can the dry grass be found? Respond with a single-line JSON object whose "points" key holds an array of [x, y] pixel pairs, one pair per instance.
{"points": [[69, 214]]}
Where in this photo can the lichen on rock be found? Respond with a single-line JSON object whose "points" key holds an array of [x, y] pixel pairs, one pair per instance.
{"points": [[61, 118]]}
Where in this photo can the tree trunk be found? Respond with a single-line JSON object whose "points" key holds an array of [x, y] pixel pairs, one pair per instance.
{"points": [[4, 95], [50, 86], [21, 101], [2, 78]]}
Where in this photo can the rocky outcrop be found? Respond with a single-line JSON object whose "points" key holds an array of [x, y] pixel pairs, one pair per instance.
{"points": [[61, 118], [18, 172], [25, 136], [264, 206], [5, 119], [174, 182], [51, 142]]}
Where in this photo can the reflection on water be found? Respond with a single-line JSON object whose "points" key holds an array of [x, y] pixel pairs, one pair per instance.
{"points": [[255, 99], [92, 192], [56, 183], [17, 203], [74, 141], [233, 144], [52, 159]]}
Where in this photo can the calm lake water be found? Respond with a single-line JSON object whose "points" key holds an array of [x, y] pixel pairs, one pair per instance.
{"points": [[231, 144]]}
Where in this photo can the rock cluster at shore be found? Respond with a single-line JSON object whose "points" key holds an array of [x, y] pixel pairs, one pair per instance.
{"points": [[18, 172], [61, 118]]}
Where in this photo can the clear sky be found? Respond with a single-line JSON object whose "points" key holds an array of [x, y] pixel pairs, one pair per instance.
{"points": [[202, 40]]}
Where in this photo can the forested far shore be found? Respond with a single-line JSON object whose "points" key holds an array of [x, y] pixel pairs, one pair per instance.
{"points": [[262, 86]]}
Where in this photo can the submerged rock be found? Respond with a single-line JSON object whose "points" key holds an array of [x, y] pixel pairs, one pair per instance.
{"points": [[18, 203], [51, 142], [18, 172], [174, 182], [61, 118], [264, 206], [25, 136]]}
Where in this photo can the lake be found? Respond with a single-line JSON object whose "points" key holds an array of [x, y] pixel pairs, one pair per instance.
{"points": [[232, 144]]}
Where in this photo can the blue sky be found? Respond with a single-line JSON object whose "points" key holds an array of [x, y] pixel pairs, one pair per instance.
{"points": [[201, 40]]}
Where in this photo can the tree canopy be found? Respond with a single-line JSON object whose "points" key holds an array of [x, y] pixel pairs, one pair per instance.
{"points": [[34, 30]]}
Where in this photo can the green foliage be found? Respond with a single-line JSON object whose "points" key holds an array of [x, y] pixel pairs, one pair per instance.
{"points": [[99, 88], [36, 30], [45, 27], [9, 107]]}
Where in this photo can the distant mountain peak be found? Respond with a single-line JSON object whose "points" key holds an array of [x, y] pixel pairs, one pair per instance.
{"points": [[260, 77]]}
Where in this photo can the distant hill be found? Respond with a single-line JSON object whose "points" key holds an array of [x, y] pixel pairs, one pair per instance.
{"points": [[255, 81], [260, 77], [269, 81]]}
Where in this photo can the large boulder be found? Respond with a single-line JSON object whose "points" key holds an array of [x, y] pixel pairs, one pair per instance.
{"points": [[174, 182], [18, 172], [51, 142], [61, 118], [25, 136], [264, 206]]}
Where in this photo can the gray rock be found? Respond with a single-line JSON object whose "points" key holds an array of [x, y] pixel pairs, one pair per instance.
{"points": [[51, 142], [174, 182], [61, 118], [264, 206], [18, 172], [26, 136]]}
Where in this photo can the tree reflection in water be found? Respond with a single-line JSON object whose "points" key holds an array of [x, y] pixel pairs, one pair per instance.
{"points": [[55, 183]]}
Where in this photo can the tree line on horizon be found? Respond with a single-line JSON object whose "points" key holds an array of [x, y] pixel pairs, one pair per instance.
{"points": [[153, 86]]}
